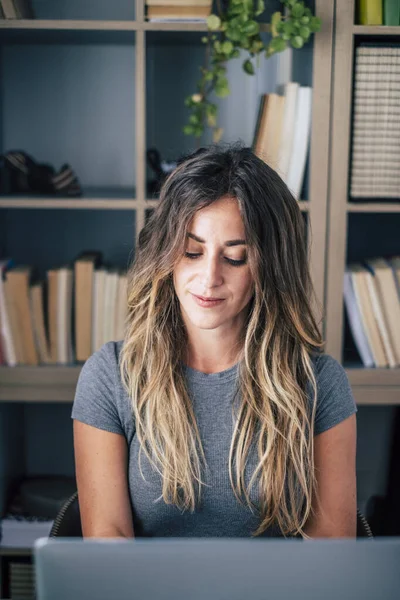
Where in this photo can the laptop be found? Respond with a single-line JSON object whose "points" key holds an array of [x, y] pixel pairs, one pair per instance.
{"points": [[217, 569]]}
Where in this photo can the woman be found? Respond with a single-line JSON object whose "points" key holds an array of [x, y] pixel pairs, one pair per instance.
{"points": [[218, 415]]}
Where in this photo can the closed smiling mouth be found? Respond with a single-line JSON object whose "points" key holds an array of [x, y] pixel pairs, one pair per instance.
{"points": [[208, 299]]}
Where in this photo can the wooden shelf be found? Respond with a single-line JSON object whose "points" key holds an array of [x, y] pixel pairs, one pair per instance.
{"points": [[376, 30], [24, 31], [38, 384], [93, 198], [375, 386], [373, 207], [65, 31], [57, 384]]}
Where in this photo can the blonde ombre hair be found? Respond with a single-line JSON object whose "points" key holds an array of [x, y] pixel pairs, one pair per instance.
{"points": [[276, 377]]}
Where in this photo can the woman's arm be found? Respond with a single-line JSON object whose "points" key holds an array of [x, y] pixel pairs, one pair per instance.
{"points": [[335, 465], [101, 473]]}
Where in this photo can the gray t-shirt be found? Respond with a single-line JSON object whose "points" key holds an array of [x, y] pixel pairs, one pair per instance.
{"points": [[101, 401]]}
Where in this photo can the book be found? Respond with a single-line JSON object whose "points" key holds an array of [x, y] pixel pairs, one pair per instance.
{"points": [[287, 129], [9, 9], [356, 322], [179, 3], [38, 320], [64, 315], [367, 314], [17, 285], [178, 12], [84, 268], [7, 341], [301, 138], [99, 282], [391, 12], [370, 12], [388, 297], [121, 307], [52, 308]]}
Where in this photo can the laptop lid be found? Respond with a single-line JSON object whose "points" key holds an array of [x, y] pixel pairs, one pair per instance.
{"points": [[217, 569]]}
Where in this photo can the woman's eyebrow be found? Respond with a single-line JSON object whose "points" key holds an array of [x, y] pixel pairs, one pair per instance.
{"points": [[228, 243]]}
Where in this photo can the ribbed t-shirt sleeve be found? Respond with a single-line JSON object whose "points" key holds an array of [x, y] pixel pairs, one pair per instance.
{"points": [[335, 400], [95, 395]]}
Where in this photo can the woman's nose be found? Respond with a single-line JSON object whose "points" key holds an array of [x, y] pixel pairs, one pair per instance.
{"points": [[212, 272]]}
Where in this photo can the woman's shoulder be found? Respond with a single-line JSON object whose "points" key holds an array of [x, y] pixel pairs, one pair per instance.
{"points": [[100, 397], [335, 401]]}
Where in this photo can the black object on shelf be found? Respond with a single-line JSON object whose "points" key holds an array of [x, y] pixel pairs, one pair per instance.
{"points": [[161, 170], [21, 174], [41, 497]]}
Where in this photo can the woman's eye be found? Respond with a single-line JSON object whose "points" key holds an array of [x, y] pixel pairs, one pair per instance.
{"points": [[231, 261]]}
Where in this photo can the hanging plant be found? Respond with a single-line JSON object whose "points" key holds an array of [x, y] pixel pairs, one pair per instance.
{"points": [[233, 29]]}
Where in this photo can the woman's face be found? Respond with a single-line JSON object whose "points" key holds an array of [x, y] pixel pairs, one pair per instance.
{"points": [[214, 266]]}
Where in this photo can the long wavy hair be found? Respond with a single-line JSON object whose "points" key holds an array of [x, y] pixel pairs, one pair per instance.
{"points": [[277, 386]]}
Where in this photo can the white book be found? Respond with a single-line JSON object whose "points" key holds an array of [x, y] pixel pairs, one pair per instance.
{"points": [[287, 131], [9, 9], [365, 308], [301, 139], [99, 281], [5, 327], [387, 290], [356, 322], [64, 316], [121, 308], [379, 317], [110, 298]]}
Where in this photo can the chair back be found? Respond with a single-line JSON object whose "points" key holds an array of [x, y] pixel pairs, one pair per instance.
{"points": [[68, 521]]}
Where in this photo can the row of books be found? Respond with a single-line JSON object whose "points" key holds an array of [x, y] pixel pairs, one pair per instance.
{"points": [[375, 160], [64, 318], [16, 9], [282, 133], [379, 12], [178, 10], [372, 302]]}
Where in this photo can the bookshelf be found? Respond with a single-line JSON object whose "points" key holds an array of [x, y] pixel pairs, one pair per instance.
{"points": [[370, 386], [89, 24]]}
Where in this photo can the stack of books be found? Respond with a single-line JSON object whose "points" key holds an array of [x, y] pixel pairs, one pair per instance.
{"points": [[282, 133], [164, 11], [372, 301], [16, 9], [379, 12], [64, 319], [375, 161]]}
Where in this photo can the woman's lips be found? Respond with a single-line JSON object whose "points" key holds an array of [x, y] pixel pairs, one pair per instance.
{"points": [[207, 303]]}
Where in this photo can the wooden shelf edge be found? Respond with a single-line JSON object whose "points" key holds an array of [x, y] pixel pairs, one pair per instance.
{"points": [[373, 207], [373, 377], [73, 203], [58, 383], [376, 30], [66, 24]]}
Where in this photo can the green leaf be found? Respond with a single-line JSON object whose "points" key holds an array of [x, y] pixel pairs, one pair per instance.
{"points": [[305, 32], [260, 8], [213, 22], [227, 47], [297, 41], [305, 20], [204, 40], [188, 130], [276, 45], [275, 22], [251, 28], [233, 34], [315, 24], [297, 10], [248, 67], [194, 119]]}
